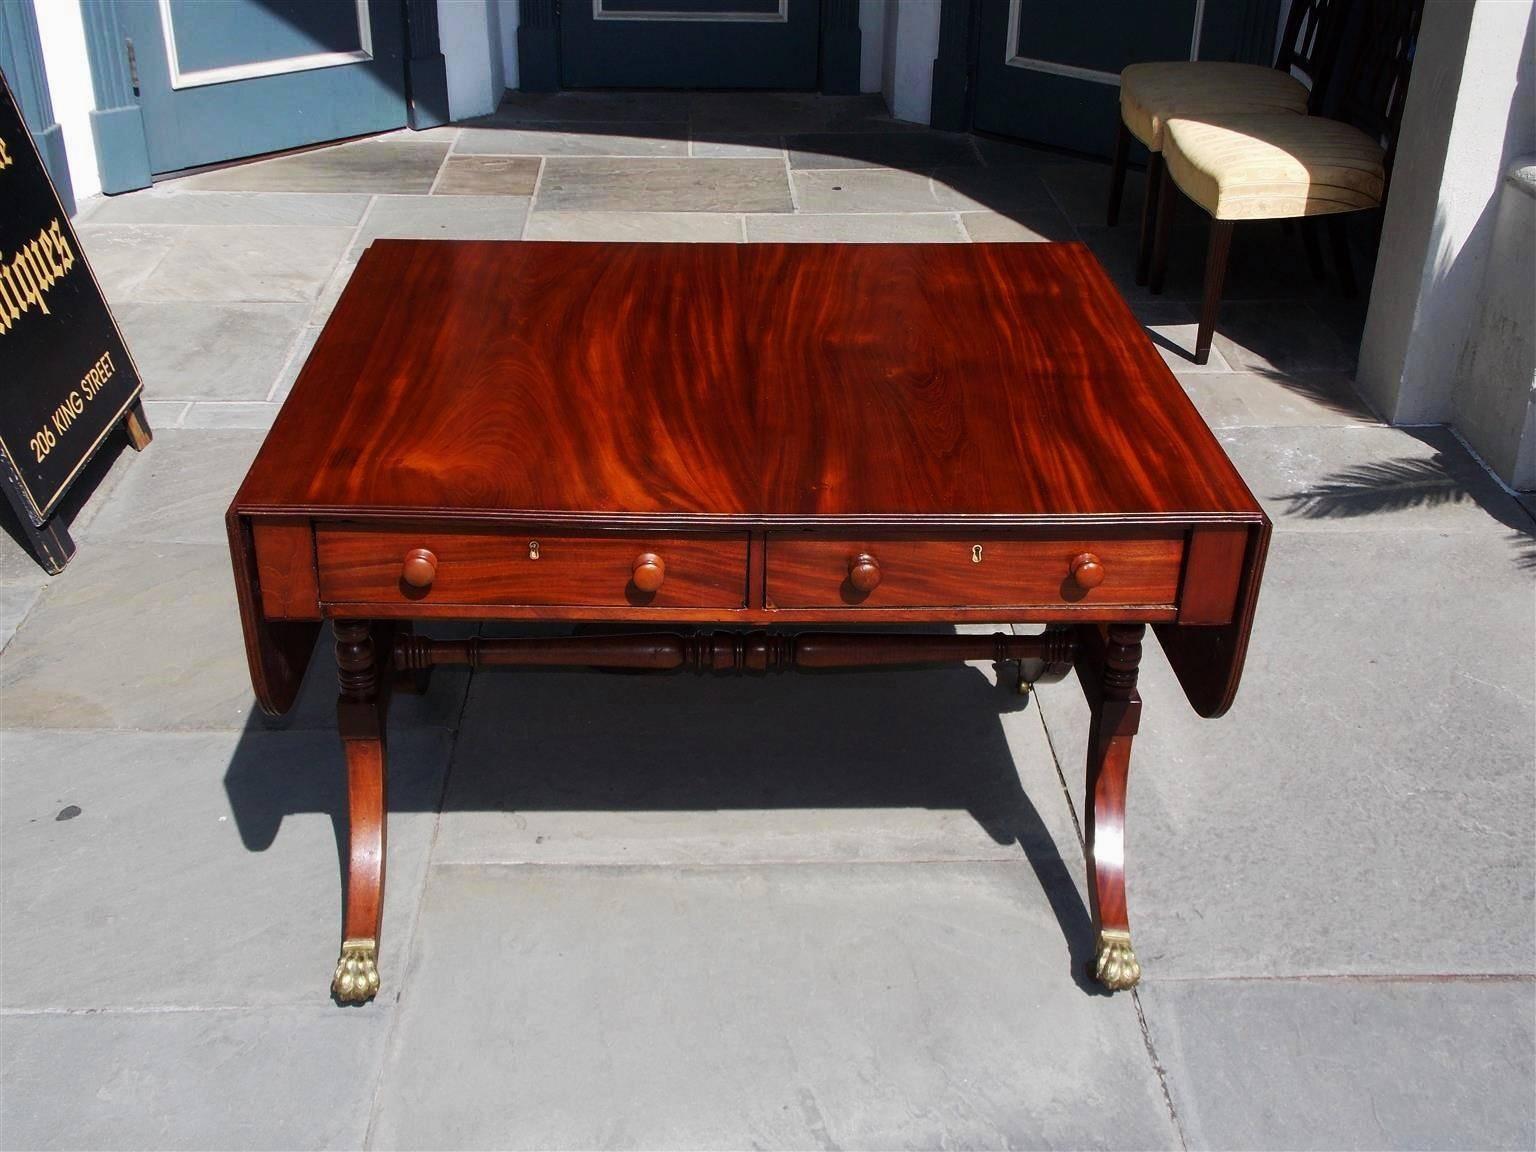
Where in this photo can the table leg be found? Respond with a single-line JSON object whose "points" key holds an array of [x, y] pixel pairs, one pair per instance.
{"points": [[360, 716], [1116, 713]]}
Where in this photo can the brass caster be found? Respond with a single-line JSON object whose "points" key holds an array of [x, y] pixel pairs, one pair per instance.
{"points": [[357, 972], [1114, 964], [1022, 686]]}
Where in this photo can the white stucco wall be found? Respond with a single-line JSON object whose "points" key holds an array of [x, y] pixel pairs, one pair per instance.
{"points": [[871, 44], [62, 36], [1460, 130], [509, 21], [911, 43], [470, 34]]}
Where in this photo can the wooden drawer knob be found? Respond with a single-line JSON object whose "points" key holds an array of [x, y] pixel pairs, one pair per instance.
{"points": [[864, 572], [1087, 571], [420, 568], [649, 571]]}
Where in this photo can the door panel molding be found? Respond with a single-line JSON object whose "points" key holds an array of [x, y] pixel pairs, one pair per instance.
{"points": [[1013, 59], [279, 66], [779, 14], [117, 122]]}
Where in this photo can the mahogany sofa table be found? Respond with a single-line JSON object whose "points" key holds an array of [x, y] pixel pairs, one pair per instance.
{"points": [[725, 441]]}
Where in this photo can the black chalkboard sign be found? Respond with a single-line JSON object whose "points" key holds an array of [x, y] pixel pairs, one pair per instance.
{"points": [[66, 378]]}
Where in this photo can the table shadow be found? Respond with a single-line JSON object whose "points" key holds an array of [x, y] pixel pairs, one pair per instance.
{"points": [[581, 740]]}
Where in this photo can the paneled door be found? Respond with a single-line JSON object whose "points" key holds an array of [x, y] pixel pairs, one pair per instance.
{"points": [[220, 79], [689, 43], [1050, 72]]}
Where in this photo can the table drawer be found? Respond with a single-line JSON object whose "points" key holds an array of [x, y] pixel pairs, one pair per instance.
{"points": [[811, 570], [370, 565]]}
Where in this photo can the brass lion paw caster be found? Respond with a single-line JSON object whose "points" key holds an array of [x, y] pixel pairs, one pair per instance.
{"points": [[1115, 965], [357, 972]]}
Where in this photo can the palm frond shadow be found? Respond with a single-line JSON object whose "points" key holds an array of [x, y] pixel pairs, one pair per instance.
{"points": [[1388, 486], [1524, 544]]}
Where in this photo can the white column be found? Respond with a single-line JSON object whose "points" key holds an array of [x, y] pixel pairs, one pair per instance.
{"points": [[470, 34], [1467, 116]]}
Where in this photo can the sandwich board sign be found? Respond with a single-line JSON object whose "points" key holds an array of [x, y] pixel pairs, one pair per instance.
{"points": [[66, 378]]}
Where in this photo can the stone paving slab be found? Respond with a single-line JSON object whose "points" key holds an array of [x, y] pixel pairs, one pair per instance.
{"points": [[1081, 190], [121, 256], [143, 636], [280, 1079], [1358, 479], [598, 138], [16, 600], [580, 107], [442, 218], [1348, 1064], [805, 1006], [146, 636], [280, 263], [487, 176], [306, 341], [179, 490], [917, 150], [370, 166], [1280, 337], [1365, 807], [942, 189], [692, 227], [592, 183], [1265, 265], [711, 113], [857, 228], [1017, 226], [178, 203], [231, 414], [1172, 326], [934, 765], [199, 351], [747, 146], [198, 870], [1259, 400]]}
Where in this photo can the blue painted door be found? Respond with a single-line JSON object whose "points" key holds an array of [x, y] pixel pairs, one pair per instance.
{"points": [[1050, 72], [689, 43], [221, 79]]}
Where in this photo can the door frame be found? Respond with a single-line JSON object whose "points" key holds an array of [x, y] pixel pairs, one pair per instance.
{"points": [[538, 47], [21, 58], [117, 123], [1245, 32]]}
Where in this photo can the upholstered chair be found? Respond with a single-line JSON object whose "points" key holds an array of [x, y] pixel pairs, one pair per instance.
{"points": [[1279, 166], [1153, 93]]}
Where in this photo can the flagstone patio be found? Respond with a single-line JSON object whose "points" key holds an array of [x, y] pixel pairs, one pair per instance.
{"points": [[848, 918]]}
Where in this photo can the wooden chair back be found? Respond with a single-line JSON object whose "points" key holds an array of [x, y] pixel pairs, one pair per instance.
{"points": [[1309, 43], [1371, 85]]}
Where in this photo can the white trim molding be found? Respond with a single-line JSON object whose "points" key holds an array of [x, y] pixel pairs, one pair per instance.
{"points": [[1012, 58], [779, 16], [199, 77]]}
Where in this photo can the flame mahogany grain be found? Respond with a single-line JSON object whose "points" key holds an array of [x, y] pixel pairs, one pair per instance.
{"points": [[668, 387]]}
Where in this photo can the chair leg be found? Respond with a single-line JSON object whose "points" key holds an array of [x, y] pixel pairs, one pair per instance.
{"points": [[1313, 249], [1166, 192], [1338, 240], [1215, 277], [1117, 173], [1148, 216]]}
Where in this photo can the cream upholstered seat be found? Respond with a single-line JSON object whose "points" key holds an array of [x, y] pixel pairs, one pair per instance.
{"points": [[1279, 166], [1152, 94], [1275, 166]]}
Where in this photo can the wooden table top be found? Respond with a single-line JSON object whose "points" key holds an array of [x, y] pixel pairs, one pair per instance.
{"points": [[769, 384]]}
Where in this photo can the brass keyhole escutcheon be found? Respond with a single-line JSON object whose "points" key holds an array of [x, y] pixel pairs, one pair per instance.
{"points": [[533, 549], [976, 554]]}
